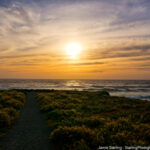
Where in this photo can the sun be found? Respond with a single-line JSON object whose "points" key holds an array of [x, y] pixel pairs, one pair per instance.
{"points": [[73, 49]]}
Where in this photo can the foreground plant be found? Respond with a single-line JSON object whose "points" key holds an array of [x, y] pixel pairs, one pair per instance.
{"points": [[11, 103], [86, 120]]}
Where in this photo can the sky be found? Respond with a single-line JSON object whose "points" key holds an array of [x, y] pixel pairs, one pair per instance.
{"points": [[114, 35]]}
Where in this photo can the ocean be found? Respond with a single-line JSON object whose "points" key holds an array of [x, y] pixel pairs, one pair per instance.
{"points": [[129, 88]]}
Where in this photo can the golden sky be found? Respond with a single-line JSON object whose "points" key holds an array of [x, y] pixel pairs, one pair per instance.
{"points": [[114, 35]]}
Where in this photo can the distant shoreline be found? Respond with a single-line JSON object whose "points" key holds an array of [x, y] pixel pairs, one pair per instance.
{"points": [[137, 89], [52, 90]]}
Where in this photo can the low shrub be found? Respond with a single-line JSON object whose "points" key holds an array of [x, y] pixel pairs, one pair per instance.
{"points": [[84, 120], [11, 103], [59, 114], [5, 120], [146, 118], [121, 139], [67, 137], [15, 104], [103, 93], [81, 145], [144, 133], [94, 122], [13, 113]]}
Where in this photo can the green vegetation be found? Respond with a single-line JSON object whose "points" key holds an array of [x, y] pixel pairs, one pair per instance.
{"points": [[86, 120], [11, 103]]}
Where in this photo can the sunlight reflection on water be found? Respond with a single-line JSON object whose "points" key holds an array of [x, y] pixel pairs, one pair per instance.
{"points": [[128, 88]]}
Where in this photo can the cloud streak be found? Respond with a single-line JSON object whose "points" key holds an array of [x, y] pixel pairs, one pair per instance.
{"points": [[40, 29]]}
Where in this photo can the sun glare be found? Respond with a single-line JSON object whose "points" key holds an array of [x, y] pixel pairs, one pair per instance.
{"points": [[73, 49]]}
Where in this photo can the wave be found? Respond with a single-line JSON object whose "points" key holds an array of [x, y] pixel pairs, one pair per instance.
{"points": [[129, 88], [140, 97]]}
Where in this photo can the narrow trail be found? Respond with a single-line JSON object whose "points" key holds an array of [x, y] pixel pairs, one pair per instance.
{"points": [[30, 131]]}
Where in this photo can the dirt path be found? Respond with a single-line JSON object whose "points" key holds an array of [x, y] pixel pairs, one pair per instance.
{"points": [[30, 131]]}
